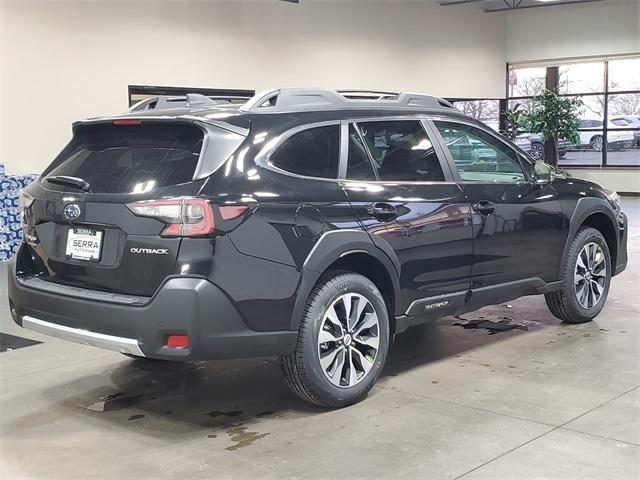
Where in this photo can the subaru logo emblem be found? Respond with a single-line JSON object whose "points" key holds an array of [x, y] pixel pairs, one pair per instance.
{"points": [[71, 211]]}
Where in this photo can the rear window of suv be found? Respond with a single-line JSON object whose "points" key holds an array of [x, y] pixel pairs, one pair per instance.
{"points": [[131, 158]]}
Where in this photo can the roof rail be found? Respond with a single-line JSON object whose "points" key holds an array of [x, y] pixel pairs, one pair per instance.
{"points": [[307, 99], [191, 101]]}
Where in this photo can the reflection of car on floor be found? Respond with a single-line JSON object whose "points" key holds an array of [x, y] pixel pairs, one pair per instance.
{"points": [[593, 139], [534, 146], [629, 121]]}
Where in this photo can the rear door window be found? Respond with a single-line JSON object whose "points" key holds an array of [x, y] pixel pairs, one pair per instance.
{"points": [[400, 151], [314, 152], [131, 158]]}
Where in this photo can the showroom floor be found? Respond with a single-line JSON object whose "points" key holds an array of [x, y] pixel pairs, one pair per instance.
{"points": [[506, 392]]}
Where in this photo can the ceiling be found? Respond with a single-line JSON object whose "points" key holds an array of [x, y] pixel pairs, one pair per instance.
{"points": [[490, 6]]}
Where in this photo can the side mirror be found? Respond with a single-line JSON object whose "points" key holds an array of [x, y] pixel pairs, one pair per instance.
{"points": [[543, 173]]}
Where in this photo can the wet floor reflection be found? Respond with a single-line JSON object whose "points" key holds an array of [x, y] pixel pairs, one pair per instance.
{"points": [[229, 401]]}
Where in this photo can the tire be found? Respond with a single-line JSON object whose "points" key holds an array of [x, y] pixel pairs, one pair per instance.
{"points": [[318, 372], [537, 151], [596, 143], [573, 304]]}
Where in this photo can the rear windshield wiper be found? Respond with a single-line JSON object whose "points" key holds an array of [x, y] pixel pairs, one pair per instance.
{"points": [[76, 182]]}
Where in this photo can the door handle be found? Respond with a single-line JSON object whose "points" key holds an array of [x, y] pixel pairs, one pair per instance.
{"points": [[484, 207], [382, 211]]}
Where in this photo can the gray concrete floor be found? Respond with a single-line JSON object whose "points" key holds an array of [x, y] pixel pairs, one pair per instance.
{"points": [[543, 400]]}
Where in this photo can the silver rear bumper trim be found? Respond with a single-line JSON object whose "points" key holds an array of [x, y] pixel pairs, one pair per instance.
{"points": [[85, 337]]}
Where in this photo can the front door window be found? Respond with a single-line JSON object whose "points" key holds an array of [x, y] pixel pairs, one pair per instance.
{"points": [[478, 156]]}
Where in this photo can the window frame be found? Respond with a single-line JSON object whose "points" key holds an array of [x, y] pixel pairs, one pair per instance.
{"points": [[526, 163]]}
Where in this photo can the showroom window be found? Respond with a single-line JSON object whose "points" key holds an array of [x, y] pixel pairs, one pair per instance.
{"points": [[314, 152], [399, 150], [609, 131], [136, 93], [487, 111]]}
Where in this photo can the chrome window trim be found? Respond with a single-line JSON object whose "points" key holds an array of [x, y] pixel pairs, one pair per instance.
{"points": [[344, 150], [391, 183]]}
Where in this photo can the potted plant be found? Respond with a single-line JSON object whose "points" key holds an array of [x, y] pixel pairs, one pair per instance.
{"points": [[554, 118]]}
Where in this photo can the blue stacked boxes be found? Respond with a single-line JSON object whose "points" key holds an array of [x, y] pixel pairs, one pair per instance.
{"points": [[10, 226]]}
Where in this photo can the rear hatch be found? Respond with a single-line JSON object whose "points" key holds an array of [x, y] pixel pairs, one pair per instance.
{"points": [[99, 218]]}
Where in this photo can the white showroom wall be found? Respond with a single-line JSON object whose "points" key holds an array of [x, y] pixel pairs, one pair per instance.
{"points": [[595, 29], [65, 60], [599, 28]]}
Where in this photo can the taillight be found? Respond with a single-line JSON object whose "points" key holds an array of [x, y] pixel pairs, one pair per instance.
{"points": [[185, 217]]}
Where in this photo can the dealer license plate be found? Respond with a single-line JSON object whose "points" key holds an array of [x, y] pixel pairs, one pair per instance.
{"points": [[84, 244]]}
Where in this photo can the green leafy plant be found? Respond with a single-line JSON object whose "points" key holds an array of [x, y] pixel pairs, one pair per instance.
{"points": [[515, 122], [553, 118]]}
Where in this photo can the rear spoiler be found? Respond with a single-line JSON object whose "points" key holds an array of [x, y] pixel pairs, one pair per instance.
{"points": [[181, 116]]}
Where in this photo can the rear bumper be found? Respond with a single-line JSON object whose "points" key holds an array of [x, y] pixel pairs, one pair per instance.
{"points": [[108, 342], [183, 305]]}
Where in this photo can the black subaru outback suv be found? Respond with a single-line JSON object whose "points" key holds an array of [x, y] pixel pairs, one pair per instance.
{"points": [[310, 224]]}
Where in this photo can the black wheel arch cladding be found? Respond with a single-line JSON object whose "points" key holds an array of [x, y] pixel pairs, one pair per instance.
{"points": [[584, 209], [330, 248]]}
